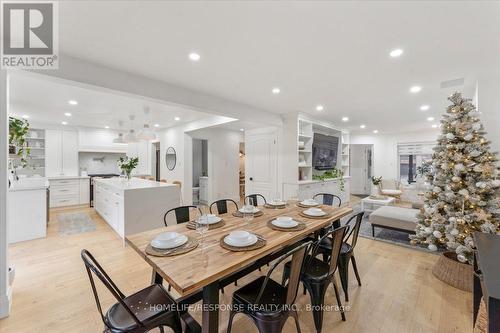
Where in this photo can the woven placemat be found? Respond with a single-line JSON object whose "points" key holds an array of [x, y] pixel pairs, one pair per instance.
{"points": [[192, 225], [315, 217], [240, 214], [307, 206], [275, 206], [300, 226], [261, 242], [190, 245]]}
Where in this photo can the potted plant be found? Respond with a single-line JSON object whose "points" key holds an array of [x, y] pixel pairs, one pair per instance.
{"points": [[332, 174], [127, 164], [18, 129], [376, 181]]}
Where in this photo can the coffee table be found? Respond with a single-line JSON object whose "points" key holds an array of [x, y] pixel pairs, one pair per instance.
{"points": [[369, 205]]}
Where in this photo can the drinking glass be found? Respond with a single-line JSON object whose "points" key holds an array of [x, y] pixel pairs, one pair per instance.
{"points": [[248, 211], [201, 225]]}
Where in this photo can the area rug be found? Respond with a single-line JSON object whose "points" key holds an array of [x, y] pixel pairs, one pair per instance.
{"points": [[75, 223], [385, 235]]}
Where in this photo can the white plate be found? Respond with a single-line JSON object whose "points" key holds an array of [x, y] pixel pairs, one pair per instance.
{"points": [[255, 210], [212, 219], [162, 244], [277, 203], [285, 224], [308, 212], [309, 203], [252, 239]]}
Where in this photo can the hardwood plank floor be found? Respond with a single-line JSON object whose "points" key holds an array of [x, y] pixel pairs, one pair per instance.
{"points": [[51, 292]]}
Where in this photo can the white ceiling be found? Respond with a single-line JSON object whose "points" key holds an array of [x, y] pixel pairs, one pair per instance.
{"points": [[45, 100], [329, 53]]}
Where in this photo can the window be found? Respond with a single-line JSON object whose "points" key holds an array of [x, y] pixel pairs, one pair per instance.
{"points": [[410, 157]]}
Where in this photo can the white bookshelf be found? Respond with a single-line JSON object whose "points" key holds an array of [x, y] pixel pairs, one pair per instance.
{"points": [[304, 143], [345, 153], [35, 140]]}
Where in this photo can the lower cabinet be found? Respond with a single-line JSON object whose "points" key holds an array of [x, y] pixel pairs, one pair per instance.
{"points": [[307, 191], [69, 192], [109, 204]]}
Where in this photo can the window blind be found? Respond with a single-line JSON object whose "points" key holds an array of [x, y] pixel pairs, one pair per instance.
{"points": [[415, 148]]}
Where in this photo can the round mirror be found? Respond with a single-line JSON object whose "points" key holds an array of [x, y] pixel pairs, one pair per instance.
{"points": [[170, 158]]}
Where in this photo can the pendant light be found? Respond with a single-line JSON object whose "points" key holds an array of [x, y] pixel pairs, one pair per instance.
{"points": [[146, 133], [130, 136], [119, 139]]}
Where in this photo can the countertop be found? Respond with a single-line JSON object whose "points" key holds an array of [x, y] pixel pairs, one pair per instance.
{"points": [[29, 184], [305, 182], [133, 184], [68, 177]]}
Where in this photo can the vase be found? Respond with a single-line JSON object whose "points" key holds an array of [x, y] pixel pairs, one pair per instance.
{"points": [[453, 272], [128, 174]]}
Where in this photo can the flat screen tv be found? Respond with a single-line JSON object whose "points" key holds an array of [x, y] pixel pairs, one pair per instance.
{"points": [[325, 149]]}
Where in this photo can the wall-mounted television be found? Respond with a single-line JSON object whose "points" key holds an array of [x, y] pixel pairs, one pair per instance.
{"points": [[325, 150]]}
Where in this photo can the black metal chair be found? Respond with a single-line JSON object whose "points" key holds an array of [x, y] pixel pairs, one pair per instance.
{"points": [[222, 205], [139, 312], [182, 214], [268, 303], [346, 252], [330, 200], [318, 275], [255, 199]]}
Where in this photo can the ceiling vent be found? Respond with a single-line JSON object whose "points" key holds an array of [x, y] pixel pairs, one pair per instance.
{"points": [[452, 83]]}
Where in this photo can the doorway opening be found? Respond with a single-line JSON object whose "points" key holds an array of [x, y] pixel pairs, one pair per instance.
{"points": [[361, 169], [200, 171], [242, 171]]}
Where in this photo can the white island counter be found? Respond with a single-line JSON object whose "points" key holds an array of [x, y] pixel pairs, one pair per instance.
{"points": [[136, 205]]}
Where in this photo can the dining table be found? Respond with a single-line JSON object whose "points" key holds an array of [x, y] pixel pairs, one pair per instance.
{"points": [[203, 270]]}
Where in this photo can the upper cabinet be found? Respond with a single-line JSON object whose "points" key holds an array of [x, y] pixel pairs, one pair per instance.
{"points": [[61, 153], [100, 141]]}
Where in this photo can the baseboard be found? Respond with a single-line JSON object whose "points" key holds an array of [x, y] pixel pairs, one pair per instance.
{"points": [[5, 303]]}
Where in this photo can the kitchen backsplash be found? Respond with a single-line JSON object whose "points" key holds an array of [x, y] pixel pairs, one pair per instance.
{"points": [[99, 162]]}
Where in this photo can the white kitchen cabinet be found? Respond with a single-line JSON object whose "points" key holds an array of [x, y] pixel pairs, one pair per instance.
{"points": [[142, 150], [61, 153], [101, 141], [84, 191], [67, 191]]}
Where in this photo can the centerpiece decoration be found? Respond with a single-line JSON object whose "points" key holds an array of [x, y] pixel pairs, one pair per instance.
{"points": [[465, 194], [127, 164]]}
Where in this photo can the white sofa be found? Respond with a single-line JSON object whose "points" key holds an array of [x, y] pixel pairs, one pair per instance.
{"points": [[394, 218]]}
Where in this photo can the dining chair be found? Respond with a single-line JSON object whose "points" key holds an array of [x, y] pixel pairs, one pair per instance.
{"points": [[267, 302], [255, 199], [318, 275], [182, 214], [133, 313], [346, 252], [329, 199], [222, 205]]}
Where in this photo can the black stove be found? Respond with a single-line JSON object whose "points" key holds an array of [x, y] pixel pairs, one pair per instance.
{"points": [[99, 175]]}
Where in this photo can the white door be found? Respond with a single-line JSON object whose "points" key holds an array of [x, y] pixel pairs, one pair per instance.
{"points": [[70, 153], [360, 169], [53, 153], [261, 158]]}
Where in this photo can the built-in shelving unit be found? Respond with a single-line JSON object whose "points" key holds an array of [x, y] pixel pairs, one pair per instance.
{"points": [[305, 140], [345, 153], [35, 141]]}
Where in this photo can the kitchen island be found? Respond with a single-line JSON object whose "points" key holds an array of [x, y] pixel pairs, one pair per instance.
{"points": [[136, 205]]}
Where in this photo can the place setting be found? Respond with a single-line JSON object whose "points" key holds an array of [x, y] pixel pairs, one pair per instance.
{"points": [[242, 240], [211, 220], [308, 203], [248, 209], [168, 244], [286, 223], [315, 213]]}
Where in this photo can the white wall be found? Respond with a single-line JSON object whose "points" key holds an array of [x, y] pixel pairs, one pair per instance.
{"points": [[108, 165], [488, 94], [385, 158]]}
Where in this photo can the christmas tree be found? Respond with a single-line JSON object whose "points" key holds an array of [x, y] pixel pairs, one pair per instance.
{"points": [[464, 196]]}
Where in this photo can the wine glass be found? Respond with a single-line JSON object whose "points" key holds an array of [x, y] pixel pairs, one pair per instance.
{"points": [[248, 211], [201, 225]]}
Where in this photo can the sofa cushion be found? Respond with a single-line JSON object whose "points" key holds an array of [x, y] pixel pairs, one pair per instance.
{"points": [[392, 192], [395, 217]]}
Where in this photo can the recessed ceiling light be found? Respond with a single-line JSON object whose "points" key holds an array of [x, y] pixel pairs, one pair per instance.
{"points": [[362, 126], [64, 123], [375, 131], [72, 102], [177, 118], [319, 108], [345, 118], [67, 114], [106, 127], [396, 53], [424, 107], [157, 125], [415, 89], [430, 118], [194, 56], [434, 125], [25, 116], [242, 129], [276, 91]]}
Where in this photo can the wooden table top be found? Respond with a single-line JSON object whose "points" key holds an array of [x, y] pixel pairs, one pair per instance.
{"points": [[189, 272]]}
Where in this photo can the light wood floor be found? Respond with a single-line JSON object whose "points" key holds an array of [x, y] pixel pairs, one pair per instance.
{"points": [[399, 293]]}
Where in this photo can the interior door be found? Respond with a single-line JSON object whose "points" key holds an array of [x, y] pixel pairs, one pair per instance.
{"points": [[261, 163], [360, 169]]}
